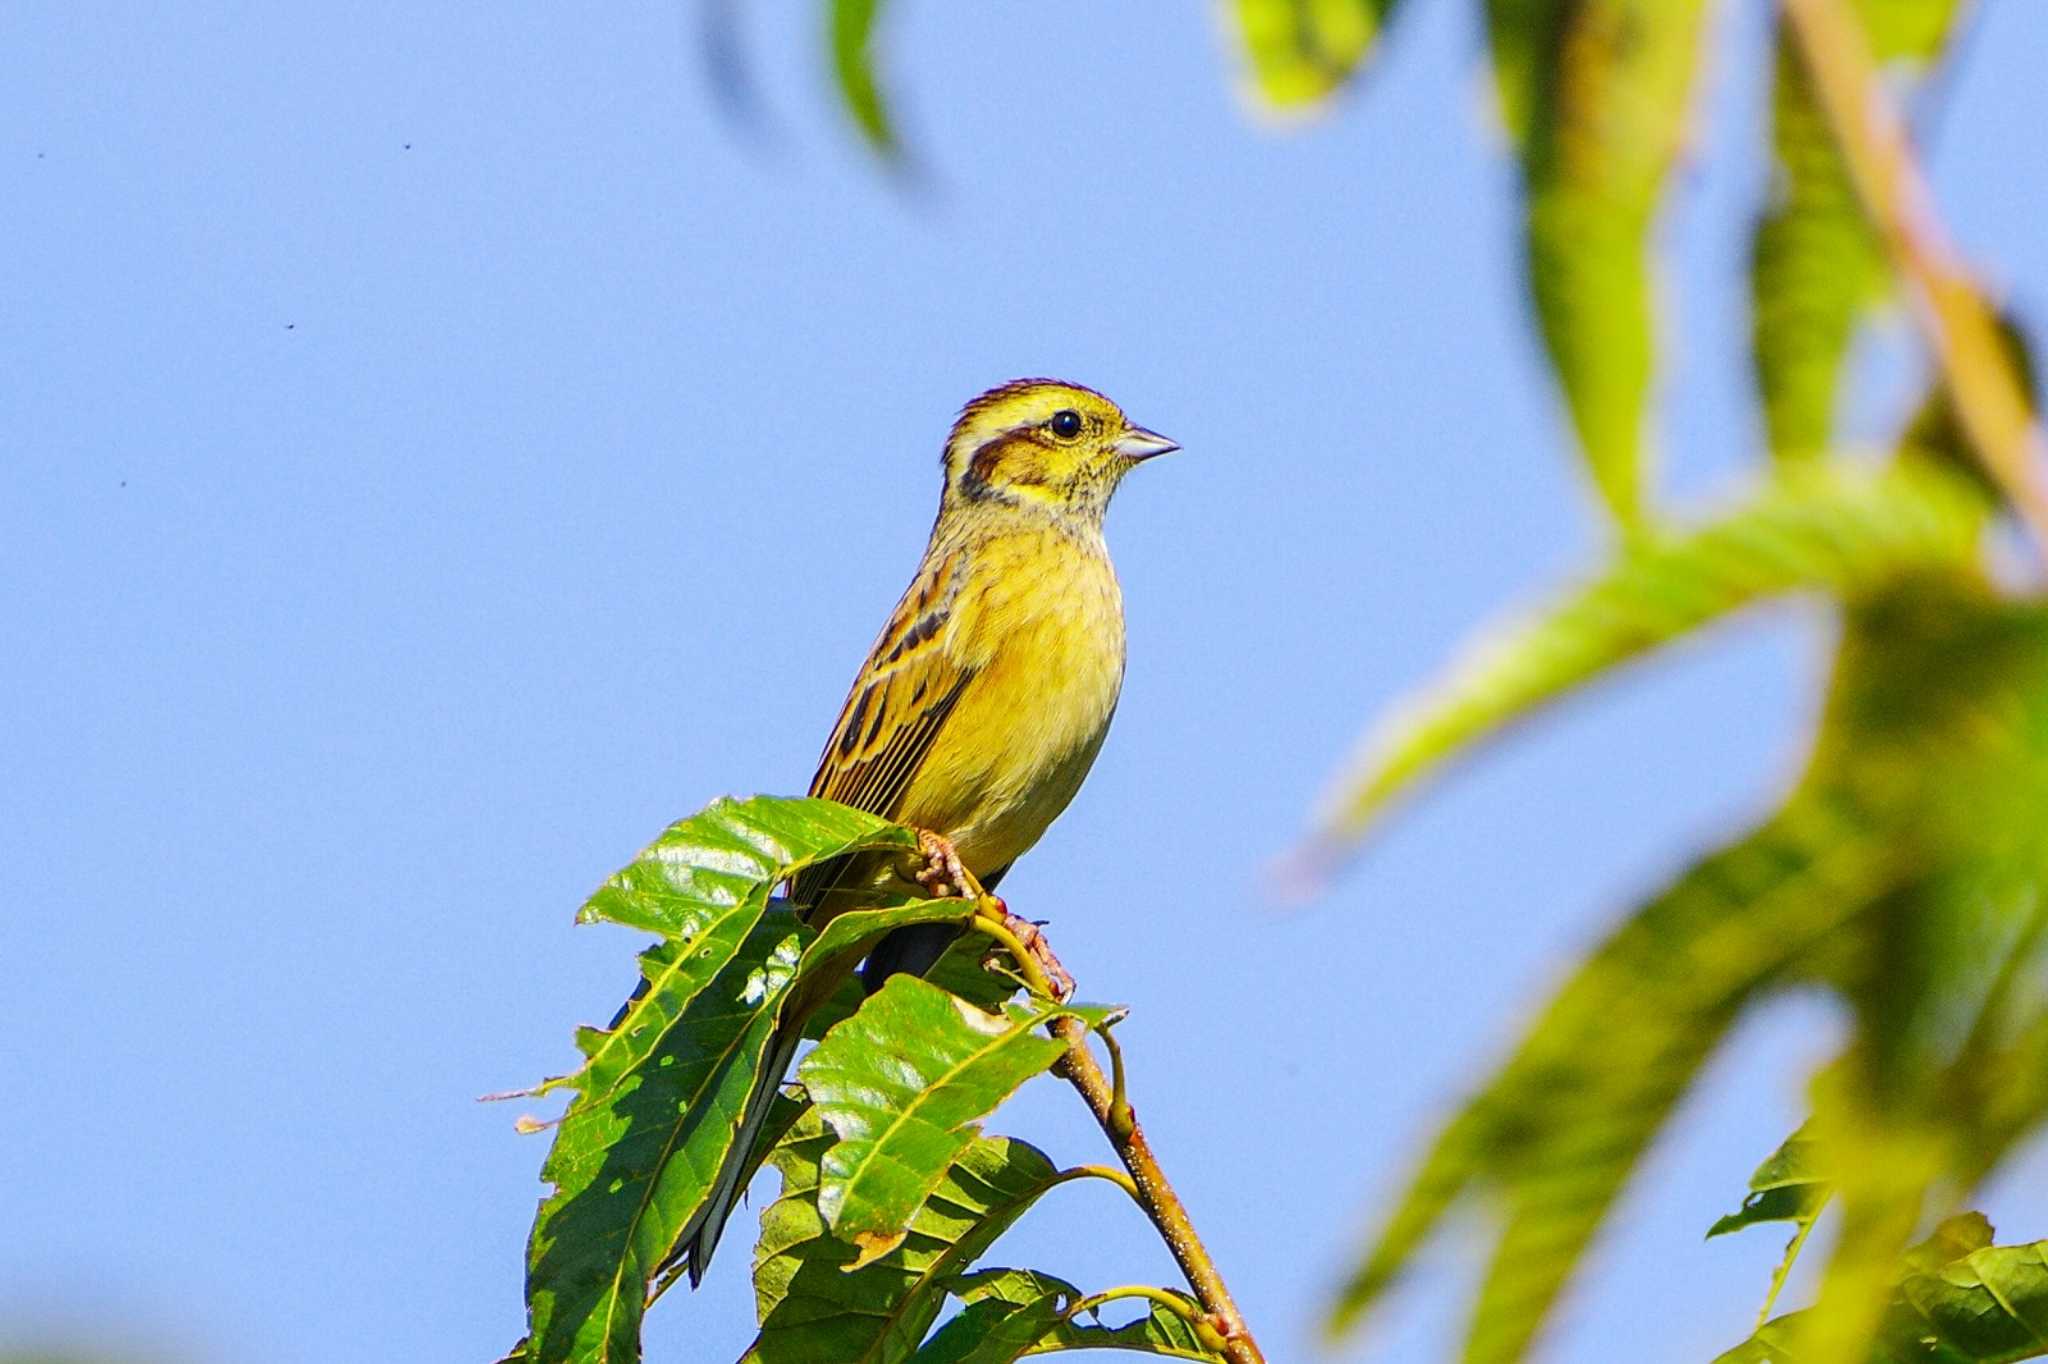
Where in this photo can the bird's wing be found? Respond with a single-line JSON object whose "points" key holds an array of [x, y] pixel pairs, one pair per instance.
{"points": [[894, 713]]}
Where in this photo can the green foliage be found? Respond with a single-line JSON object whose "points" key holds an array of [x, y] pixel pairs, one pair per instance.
{"points": [[815, 1303], [904, 1083], [1011, 1313], [1835, 528], [658, 1097], [1816, 265], [853, 64], [1956, 1299], [1599, 121], [890, 1192], [1906, 873], [1789, 1187], [1301, 51]]}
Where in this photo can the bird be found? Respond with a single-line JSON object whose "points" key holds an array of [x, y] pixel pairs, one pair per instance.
{"points": [[983, 701]]}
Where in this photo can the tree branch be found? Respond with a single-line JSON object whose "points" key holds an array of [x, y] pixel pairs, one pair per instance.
{"points": [[1119, 1123], [1990, 399]]}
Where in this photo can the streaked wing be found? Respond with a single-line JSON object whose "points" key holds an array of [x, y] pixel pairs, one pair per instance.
{"points": [[894, 713]]}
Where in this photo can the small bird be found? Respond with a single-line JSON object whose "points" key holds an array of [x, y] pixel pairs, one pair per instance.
{"points": [[985, 698]]}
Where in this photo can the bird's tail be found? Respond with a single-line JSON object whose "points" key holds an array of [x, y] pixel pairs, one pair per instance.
{"points": [[700, 1238]]}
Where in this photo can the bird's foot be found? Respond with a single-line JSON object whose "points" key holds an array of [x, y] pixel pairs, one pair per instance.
{"points": [[942, 873], [1031, 937]]}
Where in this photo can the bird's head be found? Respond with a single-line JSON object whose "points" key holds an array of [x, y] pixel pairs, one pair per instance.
{"points": [[1038, 444]]}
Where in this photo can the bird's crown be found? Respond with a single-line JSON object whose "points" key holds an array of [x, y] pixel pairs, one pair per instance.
{"points": [[1044, 443]]}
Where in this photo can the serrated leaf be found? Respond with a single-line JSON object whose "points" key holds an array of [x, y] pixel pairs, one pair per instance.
{"points": [[813, 1305], [1932, 763], [905, 1083], [1556, 1132], [1301, 51], [729, 852], [1597, 93], [659, 1097], [1837, 528], [1975, 1305], [1815, 264], [1011, 1313], [853, 63], [634, 1156]]}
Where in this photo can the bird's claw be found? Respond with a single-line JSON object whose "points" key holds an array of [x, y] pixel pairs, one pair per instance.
{"points": [[1032, 940], [942, 874]]}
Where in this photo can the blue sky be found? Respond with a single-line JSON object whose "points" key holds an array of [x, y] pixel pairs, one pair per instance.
{"points": [[443, 445]]}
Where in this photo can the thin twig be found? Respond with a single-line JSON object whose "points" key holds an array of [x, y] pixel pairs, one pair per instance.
{"points": [[1179, 1304], [1154, 1193], [1990, 400]]}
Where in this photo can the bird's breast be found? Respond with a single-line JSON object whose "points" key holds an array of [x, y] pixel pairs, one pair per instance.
{"points": [[1044, 633]]}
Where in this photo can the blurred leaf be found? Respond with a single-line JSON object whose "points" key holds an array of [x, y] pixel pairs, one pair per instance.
{"points": [[815, 1305], [1301, 51], [1930, 770], [905, 1082], [1012, 1313], [853, 62], [1558, 1129], [659, 1096], [1816, 265], [1959, 1300], [1835, 528], [1597, 94]]}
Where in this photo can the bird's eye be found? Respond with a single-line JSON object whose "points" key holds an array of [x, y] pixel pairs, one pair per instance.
{"points": [[1065, 423]]}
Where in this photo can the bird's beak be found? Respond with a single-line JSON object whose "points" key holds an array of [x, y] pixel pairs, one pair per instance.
{"points": [[1137, 443]]}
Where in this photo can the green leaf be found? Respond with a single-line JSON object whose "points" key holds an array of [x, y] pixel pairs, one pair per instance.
{"points": [[1788, 1187], [814, 1304], [659, 1097], [656, 1109], [1597, 93], [1959, 1301], [728, 853], [853, 63], [1008, 1312], [1556, 1132], [905, 1082], [1302, 51], [1897, 874], [1012, 1313], [1816, 266], [1836, 528]]}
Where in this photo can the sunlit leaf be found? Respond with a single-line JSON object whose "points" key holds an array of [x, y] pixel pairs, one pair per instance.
{"points": [[1816, 265], [905, 1083], [728, 853], [1959, 1300], [659, 1096], [1301, 51], [814, 1305], [1837, 528], [1597, 94]]}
